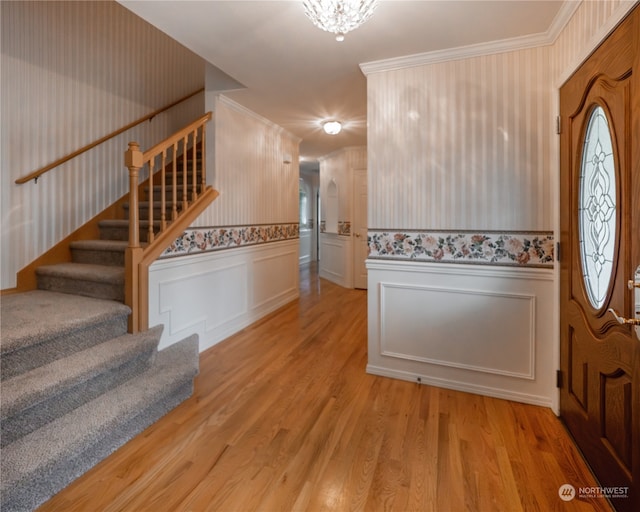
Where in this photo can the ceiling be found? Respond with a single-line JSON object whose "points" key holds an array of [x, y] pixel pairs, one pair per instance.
{"points": [[297, 75]]}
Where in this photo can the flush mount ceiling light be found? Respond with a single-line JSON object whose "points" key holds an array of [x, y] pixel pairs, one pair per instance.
{"points": [[332, 127], [339, 16]]}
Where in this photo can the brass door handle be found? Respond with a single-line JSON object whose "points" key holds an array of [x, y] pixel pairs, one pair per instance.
{"points": [[631, 284], [357, 235], [623, 320]]}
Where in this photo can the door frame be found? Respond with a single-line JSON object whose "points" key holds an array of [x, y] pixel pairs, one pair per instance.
{"points": [[355, 173]]}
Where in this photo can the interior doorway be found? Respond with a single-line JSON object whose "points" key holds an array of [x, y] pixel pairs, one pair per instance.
{"points": [[309, 215]]}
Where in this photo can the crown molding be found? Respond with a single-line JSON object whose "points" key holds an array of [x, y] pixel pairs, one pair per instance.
{"points": [[250, 113], [338, 152], [476, 50]]}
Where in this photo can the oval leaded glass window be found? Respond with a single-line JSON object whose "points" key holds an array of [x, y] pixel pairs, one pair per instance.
{"points": [[597, 207]]}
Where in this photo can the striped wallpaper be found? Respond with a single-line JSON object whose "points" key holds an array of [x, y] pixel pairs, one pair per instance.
{"points": [[256, 185], [462, 144], [72, 72], [590, 24], [470, 143]]}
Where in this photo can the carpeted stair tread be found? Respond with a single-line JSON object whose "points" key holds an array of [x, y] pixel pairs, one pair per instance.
{"points": [[100, 245], [157, 189], [144, 207], [118, 229], [84, 271], [41, 463], [35, 386], [86, 279], [103, 245], [156, 204], [124, 223], [39, 316], [28, 496], [169, 186], [41, 403], [101, 252]]}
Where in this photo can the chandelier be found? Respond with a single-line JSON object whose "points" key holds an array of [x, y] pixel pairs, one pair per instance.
{"points": [[339, 16]]}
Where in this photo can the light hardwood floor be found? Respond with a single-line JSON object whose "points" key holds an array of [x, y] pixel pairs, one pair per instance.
{"points": [[284, 418]]}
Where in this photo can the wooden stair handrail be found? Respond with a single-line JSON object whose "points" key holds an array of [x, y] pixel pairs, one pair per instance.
{"points": [[178, 136], [195, 197], [36, 174]]}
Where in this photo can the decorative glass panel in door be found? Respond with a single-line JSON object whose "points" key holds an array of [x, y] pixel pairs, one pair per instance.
{"points": [[597, 208]]}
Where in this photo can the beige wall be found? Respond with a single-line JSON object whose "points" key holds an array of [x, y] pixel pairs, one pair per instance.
{"points": [[462, 144], [589, 25], [71, 72], [470, 143], [256, 183]]}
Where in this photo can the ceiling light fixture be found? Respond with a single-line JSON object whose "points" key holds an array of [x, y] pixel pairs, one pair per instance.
{"points": [[332, 127], [339, 16]]}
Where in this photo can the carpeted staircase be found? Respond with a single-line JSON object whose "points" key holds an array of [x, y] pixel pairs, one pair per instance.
{"points": [[97, 267], [75, 385]]}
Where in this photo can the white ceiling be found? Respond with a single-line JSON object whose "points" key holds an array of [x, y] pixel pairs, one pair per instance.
{"points": [[297, 75]]}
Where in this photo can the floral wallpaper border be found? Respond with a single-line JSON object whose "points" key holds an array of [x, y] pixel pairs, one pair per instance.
{"points": [[531, 249], [206, 239], [344, 227]]}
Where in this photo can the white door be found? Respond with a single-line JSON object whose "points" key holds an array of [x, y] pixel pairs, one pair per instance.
{"points": [[360, 243]]}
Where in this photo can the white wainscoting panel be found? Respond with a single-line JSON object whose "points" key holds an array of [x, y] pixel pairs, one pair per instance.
{"points": [[275, 276], [425, 316], [216, 294], [186, 310], [479, 329], [336, 259]]}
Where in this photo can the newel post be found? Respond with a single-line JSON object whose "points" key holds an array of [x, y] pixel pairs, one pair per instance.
{"points": [[133, 255], [133, 161]]}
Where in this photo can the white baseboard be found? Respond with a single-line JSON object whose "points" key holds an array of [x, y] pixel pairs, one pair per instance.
{"points": [[461, 386]]}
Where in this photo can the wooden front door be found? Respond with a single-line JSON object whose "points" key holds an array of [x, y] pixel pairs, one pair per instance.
{"points": [[600, 250]]}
